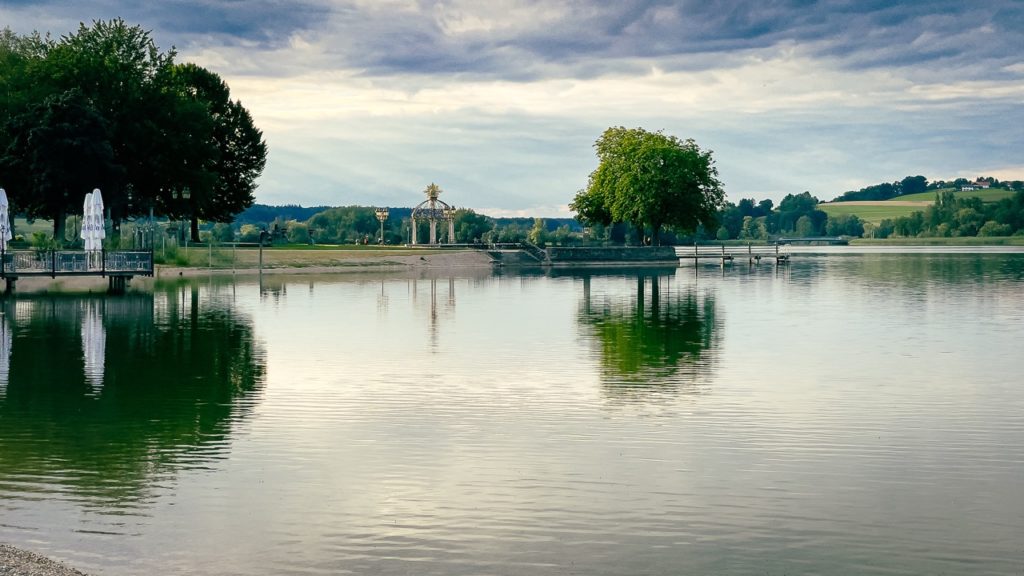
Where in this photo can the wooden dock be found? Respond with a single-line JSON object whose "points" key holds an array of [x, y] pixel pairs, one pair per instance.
{"points": [[727, 254]]}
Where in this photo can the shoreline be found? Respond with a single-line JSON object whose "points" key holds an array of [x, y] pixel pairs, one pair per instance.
{"points": [[20, 562], [356, 263], [383, 263]]}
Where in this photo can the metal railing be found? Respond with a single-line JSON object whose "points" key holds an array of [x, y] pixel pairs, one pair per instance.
{"points": [[55, 263], [729, 252]]}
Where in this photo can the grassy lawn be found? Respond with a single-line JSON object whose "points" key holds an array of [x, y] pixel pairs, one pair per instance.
{"points": [[961, 241], [990, 195], [873, 213], [21, 226], [284, 256], [387, 248]]}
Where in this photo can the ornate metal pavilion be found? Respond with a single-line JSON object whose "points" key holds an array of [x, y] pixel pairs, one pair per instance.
{"points": [[434, 210]]}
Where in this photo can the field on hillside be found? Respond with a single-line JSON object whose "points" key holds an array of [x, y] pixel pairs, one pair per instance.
{"points": [[989, 195], [876, 211], [873, 212]]}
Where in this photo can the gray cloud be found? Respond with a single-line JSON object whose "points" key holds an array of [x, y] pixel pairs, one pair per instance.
{"points": [[778, 137], [857, 34], [265, 23], [586, 38]]}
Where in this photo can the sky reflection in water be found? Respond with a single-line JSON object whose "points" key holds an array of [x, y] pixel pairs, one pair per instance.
{"points": [[843, 414]]}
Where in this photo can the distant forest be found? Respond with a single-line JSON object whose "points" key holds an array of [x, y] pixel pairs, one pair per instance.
{"points": [[918, 184], [746, 220], [263, 215], [358, 224]]}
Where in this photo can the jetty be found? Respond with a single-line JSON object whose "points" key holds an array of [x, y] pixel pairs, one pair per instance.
{"points": [[726, 254], [816, 241], [118, 266]]}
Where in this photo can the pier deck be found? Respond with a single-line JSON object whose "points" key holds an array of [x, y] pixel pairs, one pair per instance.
{"points": [[119, 266], [725, 254]]}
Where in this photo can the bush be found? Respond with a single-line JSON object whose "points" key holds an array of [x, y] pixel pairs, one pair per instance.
{"points": [[297, 233], [222, 232], [249, 233], [993, 228], [43, 241]]}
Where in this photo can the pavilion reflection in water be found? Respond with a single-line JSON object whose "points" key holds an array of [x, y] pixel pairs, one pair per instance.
{"points": [[438, 306]]}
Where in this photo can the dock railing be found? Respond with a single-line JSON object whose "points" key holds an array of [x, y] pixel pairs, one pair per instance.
{"points": [[727, 253], [53, 263]]}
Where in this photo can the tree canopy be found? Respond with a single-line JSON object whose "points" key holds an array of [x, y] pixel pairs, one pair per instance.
{"points": [[650, 180], [105, 108]]}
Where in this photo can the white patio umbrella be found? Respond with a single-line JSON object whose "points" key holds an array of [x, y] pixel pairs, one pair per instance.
{"points": [[5, 220], [99, 226], [94, 345], [86, 233], [97, 204]]}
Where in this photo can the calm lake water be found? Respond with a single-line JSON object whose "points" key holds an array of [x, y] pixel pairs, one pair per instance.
{"points": [[844, 414]]}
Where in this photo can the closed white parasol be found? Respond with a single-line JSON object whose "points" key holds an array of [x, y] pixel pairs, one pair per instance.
{"points": [[5, 220], [99, 226], [86, 232]]}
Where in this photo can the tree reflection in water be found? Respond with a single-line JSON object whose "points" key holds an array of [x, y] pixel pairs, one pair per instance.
{"points": [[654, 341], [175, 377]]}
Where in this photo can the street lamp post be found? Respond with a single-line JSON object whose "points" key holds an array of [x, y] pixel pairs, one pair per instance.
{"points": [[382, 215], [263, 234], [184, 195]]}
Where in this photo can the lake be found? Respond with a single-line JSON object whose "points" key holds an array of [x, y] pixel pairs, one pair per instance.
{"points": [[848, 413]]}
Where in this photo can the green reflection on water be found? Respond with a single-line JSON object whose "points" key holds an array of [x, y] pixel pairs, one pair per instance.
{"points": [[105, 396], [659, 337]]}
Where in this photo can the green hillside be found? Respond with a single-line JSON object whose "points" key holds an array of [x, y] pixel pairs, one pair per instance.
{"points": [[874, 212], [989, 195]]}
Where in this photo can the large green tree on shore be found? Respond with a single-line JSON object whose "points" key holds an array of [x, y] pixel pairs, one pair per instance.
{"points": [[650, 180], [60, 142], [178, 144], [217, 153]]}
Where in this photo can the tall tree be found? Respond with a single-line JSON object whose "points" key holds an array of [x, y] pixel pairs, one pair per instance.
{"points": [[178, 144], [223, 149], [650, 180], [115, 64], [913, 185], [62, 148], [20, 58], [470, 226]]}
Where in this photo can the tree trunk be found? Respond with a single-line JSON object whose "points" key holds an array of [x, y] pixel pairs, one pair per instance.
{"points": [[59, 227]]}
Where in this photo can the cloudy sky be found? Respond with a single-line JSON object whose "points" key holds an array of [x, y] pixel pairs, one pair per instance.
{"points": [[499, 101]]}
